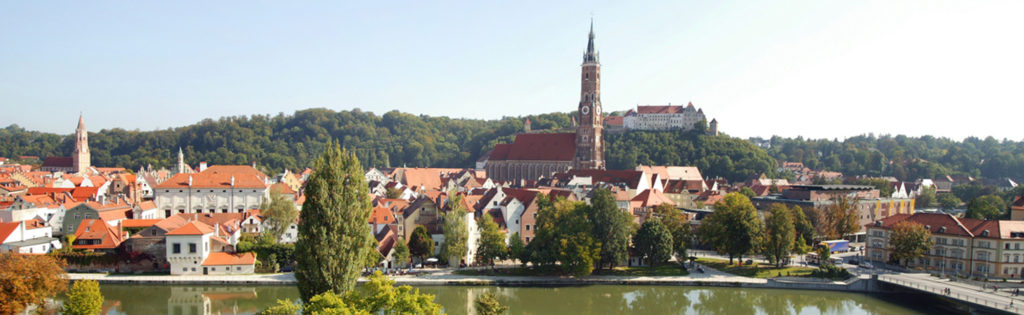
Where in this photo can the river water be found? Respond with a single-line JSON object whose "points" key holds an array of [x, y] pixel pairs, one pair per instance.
{"points": [[596, 299]]}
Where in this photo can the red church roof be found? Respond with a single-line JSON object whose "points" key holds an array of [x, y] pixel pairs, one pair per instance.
{"points": [[538, 147]]}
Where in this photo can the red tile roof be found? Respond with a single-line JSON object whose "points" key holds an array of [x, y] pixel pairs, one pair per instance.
{"points": [[651, 198], [219, 176], [192, 228], [92, 229], [7, 228], [382, 215], [615, 121], [935, 222], [229, 259], [666, 109], [58, 161], [139, 223], [538, 147]]}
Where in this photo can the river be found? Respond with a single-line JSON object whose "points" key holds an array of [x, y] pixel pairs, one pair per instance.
{"points": [[595, 299]]}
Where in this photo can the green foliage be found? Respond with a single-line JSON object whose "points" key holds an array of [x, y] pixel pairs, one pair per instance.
{"points": [[401, 255], [831, 271], [517, 249], [909, 240], [491, 244], [733, 228], [926, 199], [749, 193], [456, 231], [270, 253], [283, 307], [564, 236], [804, 229], [278, 214], [949, 201], [84, 298], [988, 207], [715, 156], [682, 231], [611, 228], [824, 253], [779, 236], [654, 242], [420, 243], [380, 296], [487, 304], [334, 239]]}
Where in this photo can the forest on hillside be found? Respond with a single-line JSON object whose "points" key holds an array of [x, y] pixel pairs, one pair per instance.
{"points": [[277, 142]]}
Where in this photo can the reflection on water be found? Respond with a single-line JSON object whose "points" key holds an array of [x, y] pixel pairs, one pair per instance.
{"points": [[196, 300]]}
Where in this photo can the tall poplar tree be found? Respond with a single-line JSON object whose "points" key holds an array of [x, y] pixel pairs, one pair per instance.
{"points": [[456, 231], [333, 234]]}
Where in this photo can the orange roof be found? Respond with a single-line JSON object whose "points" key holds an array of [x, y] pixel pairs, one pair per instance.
{"points": [[146, 205], [192, 228], [219, 176], [429, 178], [7, 228], [282, 188], [92, 229], [228, 259], [139, 223], [652, 198], [382, 215]]}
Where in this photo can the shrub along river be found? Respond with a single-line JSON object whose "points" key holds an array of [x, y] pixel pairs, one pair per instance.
{"points": [[594, 299]]}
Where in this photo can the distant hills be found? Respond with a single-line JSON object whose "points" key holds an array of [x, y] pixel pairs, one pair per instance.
{"points": [[401, 139]]}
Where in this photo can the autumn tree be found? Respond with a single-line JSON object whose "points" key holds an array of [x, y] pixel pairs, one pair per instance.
{"points": [[333, 243], [779, 234], [420, 243], [654, 242], [487, 304], [839, 217], [29, 279], [611, 228], [279, 213], [492, 240], [83, 299], [909, 240], [456, 231], [733, 228]]}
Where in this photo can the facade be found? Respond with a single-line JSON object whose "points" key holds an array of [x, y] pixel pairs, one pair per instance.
{"points": [[968, 247], [664, 117], [27, 237], [869, 205], [110, 213], [535, 155], [218, 189], [198, 248]]}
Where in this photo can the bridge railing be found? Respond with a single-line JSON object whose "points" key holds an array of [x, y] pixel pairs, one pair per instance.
{"points": [[1016, 308]]}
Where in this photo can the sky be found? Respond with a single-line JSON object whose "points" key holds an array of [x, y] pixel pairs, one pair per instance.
{"points": [[818, 69]]}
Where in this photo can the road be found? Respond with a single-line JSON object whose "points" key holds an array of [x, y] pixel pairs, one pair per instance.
{"points": [[956, 290]]}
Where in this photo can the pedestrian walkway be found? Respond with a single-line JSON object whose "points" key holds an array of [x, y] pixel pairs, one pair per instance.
{"points": [[963, 292]]}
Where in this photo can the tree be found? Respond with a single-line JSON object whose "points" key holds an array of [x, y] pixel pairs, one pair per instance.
{"points": [[84, 298], [682, 231], [492, 240], [654, 242], [746, 191], [517, 249], [949, 201], [420, 243], [487, 304], [909, 240], [378, 296], [611, 228], [29, 279], [838, 218], [279, 214], [334, 239], [563, 235], [988, 207], [804, 230], [456, 231], [926, 199], [733, 228], [401, 254], [779, 236]]}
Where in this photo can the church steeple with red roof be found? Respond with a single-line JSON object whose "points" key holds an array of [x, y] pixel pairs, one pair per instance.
{"points": [[589, 131]]}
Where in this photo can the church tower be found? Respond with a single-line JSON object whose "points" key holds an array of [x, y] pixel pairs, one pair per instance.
{"points": [[80, 158], [589, 131]]}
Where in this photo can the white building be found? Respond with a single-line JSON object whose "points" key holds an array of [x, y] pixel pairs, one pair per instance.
{"points": [[217, 189], [195, 248], [663, 117], [27, 237]]}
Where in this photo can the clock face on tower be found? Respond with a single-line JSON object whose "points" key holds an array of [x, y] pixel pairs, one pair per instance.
{"points": [[585, 109], [597, 109]]}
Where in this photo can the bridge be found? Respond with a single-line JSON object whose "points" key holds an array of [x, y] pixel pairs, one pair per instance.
{"points": [[986, 298]]}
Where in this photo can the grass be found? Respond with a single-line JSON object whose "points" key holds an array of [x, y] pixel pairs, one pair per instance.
{"points": [[756, 270], [663, 270]]}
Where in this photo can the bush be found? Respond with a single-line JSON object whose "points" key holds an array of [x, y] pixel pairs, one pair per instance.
{"points": [[832, 272]]}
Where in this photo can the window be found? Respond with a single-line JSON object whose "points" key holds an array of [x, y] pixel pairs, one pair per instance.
{"points": [[239, 268], [184, 269], [527, 227], [191, 247], [176, 248]]}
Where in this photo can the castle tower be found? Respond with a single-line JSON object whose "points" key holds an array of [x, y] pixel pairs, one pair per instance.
{"points": [[589, 131], [81, 158], [713, 127]]}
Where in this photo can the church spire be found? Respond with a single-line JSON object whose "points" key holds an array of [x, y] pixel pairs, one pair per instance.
{"points": [[81, 158], [591, 55]]}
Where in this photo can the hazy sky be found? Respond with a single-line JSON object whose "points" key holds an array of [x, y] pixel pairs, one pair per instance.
{"points": [[811, 68]]}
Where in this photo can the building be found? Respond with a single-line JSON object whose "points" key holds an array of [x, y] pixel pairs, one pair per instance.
{"points": [[869, 205], [664, 117], [217, 189], [968, 247], [79, 161], [110, 213], [534, 155], [198, 248], [27, 237], [97, 235]]}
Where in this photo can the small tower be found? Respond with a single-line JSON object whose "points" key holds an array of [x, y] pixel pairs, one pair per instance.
{"points": [[526, 125], [81, 157], [181, 162], [713, 127]]}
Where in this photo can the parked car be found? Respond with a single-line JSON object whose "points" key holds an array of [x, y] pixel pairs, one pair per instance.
{"points": [[866, 265]]}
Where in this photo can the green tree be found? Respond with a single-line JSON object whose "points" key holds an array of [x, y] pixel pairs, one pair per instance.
{"points": [[733, 228], [401, 255], [926, 199], [84, 298], [988, 207], [334, 239], [283, 307], [949, 201], [681, 230], [491, 244], [420, 243], [456, 231], [487, 304], [611, 228], [654, 242], [279, 214], [749, 193], [563, 235], [517, 249], [804, 230], [779, 236], [378, 296], [909, 240]]}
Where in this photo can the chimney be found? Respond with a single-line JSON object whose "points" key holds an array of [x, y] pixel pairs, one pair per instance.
{"points": [[190, 181], [202, 166], [232, 181], [216, 229]]}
